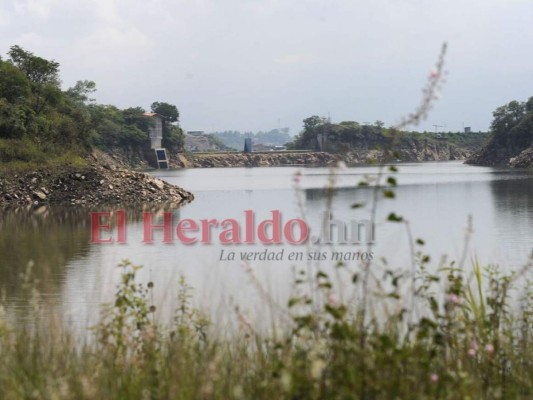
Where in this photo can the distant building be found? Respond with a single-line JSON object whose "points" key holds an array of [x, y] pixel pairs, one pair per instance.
{"points": [[156, 131], [468, 129], [196, 141]]}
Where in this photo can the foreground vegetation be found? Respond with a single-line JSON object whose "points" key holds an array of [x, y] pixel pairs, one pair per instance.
{"points": [[450, 337]]}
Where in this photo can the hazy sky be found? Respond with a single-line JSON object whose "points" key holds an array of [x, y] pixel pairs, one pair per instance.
{"points": [[247, 64]]}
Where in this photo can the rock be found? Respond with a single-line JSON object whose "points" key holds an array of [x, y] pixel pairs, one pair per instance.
{"points": [[39, 195], [158, 184], [523, 160]]}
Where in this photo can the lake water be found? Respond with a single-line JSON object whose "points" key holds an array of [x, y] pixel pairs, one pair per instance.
{"points": [[436, 198]]}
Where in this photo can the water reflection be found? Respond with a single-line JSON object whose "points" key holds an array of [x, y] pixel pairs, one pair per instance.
{"points": [[46, 237], [37, 244], [513, 219], [436, 198]]}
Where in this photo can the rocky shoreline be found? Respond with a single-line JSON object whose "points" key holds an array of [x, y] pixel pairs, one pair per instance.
{"points": [[106, 180], [319, 159], [220, 160], [91, 185], [494, 155], [523, 160]]}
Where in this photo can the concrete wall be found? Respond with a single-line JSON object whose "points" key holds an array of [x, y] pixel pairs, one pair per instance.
{"points": [[156, 132]]}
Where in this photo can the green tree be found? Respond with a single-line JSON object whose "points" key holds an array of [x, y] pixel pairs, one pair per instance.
{"points": [[529, 105], [37, 69], [81, 91], [507, 116], [14, 85], [135, 116], [43, 76], [313, 122], [168, 111]]}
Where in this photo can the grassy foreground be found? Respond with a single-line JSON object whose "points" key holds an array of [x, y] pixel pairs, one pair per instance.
{"points": [[448, 336]]}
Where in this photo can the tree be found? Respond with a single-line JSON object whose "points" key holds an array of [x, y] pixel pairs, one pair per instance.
{"points": [[81, 91], [43, 76], [529, 105], [37, 69], [135, 116], [313, 122], [168, 111], [14, 85], [507, 116]]}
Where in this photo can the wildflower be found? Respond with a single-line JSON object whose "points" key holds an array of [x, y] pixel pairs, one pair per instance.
{"points": [[332, 298], [246, 267], [454, 299], [489, 348], [471, 352], [433, 74], [317, 368], [434, 378], [296, 178]]}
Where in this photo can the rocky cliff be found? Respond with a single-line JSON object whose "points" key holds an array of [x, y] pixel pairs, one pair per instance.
{"points": [[512, 141], [412, 151]]}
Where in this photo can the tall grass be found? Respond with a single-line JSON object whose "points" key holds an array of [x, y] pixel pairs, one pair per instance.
{"points": [[468, 340]]}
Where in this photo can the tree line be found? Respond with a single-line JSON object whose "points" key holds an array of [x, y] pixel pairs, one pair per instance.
{"points": [[35, 109], [348, 135]]}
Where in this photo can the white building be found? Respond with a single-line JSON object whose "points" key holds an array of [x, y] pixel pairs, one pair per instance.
{"points": [[156, 131]]}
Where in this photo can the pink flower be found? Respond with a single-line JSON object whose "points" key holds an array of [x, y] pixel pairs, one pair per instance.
{"points": [[246, 267], [471, 352], [433, 74], [489, 348], [434, 378], [454, 299], [332, 298]]}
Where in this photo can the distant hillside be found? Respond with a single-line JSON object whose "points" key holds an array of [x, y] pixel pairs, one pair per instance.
{"points": [[347, 136], [511, 142], [235, 139]]}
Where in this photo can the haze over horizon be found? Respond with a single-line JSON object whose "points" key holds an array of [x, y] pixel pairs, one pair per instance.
{"points": [[250, 65]]}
